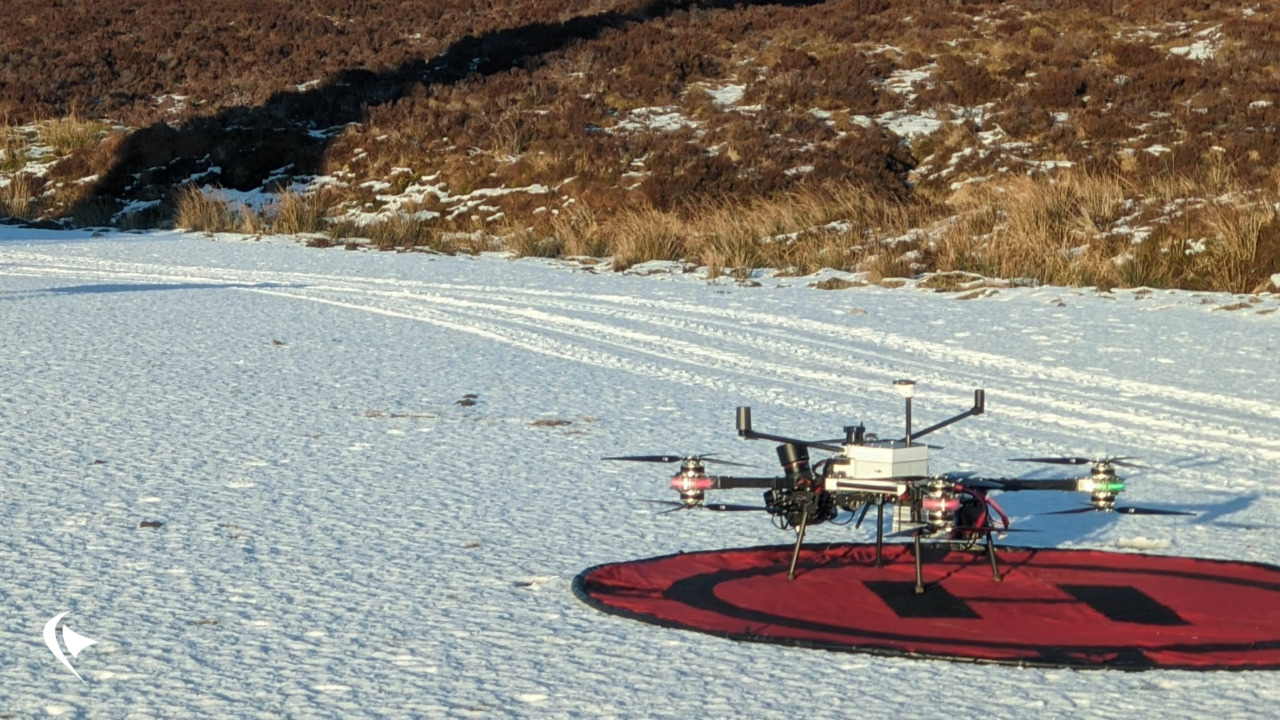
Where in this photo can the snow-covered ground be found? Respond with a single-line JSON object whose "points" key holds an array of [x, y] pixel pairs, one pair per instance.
{"points": [[342, 538]]}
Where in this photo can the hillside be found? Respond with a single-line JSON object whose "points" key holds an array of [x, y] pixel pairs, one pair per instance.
{"points": [[1103, 143]]}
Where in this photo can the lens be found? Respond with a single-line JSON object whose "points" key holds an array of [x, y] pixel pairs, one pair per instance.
{"points": [[795, 462]]}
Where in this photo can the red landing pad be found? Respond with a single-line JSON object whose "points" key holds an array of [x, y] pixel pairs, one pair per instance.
{"points": [[1072, 608]]}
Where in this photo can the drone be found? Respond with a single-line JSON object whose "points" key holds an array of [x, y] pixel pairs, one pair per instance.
{"points": [[865, 471]]}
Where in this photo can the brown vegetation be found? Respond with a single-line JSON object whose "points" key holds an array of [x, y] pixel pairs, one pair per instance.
{"points": [[736, 135]]}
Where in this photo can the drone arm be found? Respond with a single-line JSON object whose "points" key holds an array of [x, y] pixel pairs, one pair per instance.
{"points": [[1013, 485], [979, 407], [745, 431], [725, 482]]}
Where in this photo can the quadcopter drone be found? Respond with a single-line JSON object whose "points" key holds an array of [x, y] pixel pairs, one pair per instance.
{"points": [[866, 471]]}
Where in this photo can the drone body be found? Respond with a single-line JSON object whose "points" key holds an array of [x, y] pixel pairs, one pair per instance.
{"points": [[865, 471]]}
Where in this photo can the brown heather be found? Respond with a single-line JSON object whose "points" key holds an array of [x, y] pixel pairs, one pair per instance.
{"points": [[1149, 144]]}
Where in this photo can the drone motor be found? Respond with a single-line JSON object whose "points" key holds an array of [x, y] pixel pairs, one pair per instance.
{"points": [[938, 506], [1103, 486], [691, 481]]}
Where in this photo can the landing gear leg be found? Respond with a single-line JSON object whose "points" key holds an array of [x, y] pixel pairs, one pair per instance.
{"points": [[879, 532], [795, 555], [919, 570], [991, 555]]}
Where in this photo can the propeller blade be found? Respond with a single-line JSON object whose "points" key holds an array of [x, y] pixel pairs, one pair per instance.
{"points": [[1120, 510], [1121, 463], [665, 502], [672, 458], [1150, 511], [959, 475], [723, 462], [716, 507], [1075, 511], [721, 507], [990, 529]]}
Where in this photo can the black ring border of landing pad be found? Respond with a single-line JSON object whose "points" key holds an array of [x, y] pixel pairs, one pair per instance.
{"points": [[580, 590]]}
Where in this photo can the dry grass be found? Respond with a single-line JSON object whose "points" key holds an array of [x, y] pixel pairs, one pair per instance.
{"points": [[15, 146], [69, 134], [1073, 230], [198, 212], [98, 212], [1247, 245], [298, 213], [637, 236], [804, 230], [17, 199]]}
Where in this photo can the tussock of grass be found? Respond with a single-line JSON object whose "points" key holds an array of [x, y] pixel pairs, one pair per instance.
{"points": [[198, 212], [14, 146], [399, 232], [638, 236], [298, 213], [98, 212], [17, 199], [1247, 247], [1062, 231], [67, 135], [805, 230]]}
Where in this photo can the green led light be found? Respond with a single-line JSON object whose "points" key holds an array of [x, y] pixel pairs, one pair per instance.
{"points": [[1111, 487]]}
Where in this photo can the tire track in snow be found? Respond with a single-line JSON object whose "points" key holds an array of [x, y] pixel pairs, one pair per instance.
{"points": [[1016, 404], [830, 345]]}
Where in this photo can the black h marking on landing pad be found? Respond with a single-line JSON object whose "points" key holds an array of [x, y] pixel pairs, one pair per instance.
{"points": [[935, 603], [1121, 603]]}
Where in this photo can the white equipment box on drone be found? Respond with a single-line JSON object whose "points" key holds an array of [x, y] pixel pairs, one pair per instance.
{"points": [[872, 468]]}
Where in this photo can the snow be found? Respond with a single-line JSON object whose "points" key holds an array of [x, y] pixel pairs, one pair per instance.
{"points": [[660, 119], [908, 125], [344, 537], [1199, 50], [1204, 48], [726, 95], [904, 82]]}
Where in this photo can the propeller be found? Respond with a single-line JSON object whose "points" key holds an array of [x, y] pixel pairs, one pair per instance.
{"points": [[714, 507], [980, 484], [1121, 510], [1120, 461], [673, 458], [911, 532]]}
